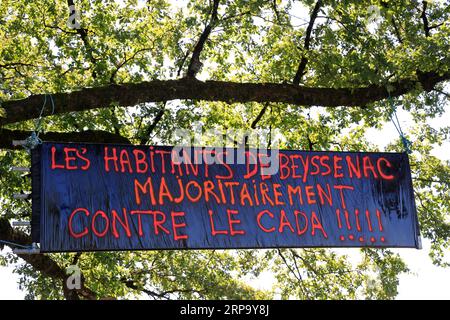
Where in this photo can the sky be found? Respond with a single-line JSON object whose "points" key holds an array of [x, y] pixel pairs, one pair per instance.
{"points": [[424, 281]]}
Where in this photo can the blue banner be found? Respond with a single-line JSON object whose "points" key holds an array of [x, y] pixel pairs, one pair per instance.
{"points": [[92, 197]]}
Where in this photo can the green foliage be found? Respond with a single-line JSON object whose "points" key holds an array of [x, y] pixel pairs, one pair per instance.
{"points": [[254, 40]]}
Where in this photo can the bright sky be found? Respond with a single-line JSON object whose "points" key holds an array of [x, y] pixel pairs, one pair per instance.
{"points": [[425, 281]]}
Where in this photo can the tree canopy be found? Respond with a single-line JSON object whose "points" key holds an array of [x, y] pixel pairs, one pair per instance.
{"points": [[133, 71]]}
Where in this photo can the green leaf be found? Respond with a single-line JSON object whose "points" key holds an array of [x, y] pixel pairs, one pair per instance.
{"points": [[3, 113]]}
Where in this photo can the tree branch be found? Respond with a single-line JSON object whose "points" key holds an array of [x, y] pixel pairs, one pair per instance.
{"points": [[298, 276], [436, 26], [132, 94], [146, 137], [443, 93], [397, 30], [259, 116], [126, 60], [7, 136], [447, 183], [157, 295], [255, 123], [40, 262], [180, 67], [426, 25], [76, 258], [84, 37], [310, 143], [195, 63], [304, 60], [13, 65], [275, 9]]}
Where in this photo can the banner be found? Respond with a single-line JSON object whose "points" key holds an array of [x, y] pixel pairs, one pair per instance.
{"points": [[89, 197]]}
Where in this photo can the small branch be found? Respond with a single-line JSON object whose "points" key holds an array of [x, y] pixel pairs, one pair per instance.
{"points": [[255, 122], [145, 139], [297, 276], [84, 37], [158, 295], [238, 15], [55, 27], [259, 116], [182, 63], [397, 30], [126, 60], [195, 64], [310, 143], [13, 65], [304, 60], [447, 183], [294, 259], [275, 9], [426, 25], [443, 93], [76, 258], [436, 26]]}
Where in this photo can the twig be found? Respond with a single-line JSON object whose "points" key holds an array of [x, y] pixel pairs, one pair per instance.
{"points": [[195, 63], [426, 25], [304, 60], [145, 139], [126, 60]]}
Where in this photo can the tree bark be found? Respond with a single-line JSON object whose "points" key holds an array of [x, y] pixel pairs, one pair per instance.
{"points": [[41, 262], [132, 94]]}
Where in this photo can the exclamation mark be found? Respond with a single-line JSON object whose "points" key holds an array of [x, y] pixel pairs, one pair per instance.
{"points": [[338, 216], [347, 220], [358, 226], [369, 223], [380, 225]]}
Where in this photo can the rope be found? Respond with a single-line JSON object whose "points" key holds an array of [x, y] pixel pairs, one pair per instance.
{"points": [[407, 144], [33, 141]]}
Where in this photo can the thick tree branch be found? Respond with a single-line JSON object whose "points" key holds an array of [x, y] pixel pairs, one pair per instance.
{"points": [[42, 263], [7, 136], [302, 66], [195, 63], [158, 91]]}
